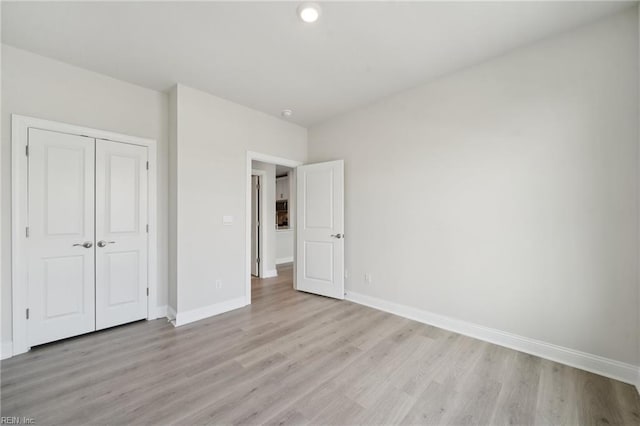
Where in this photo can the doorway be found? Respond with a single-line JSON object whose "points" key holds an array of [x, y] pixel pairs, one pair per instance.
{"points": [[316, 211], [273, 221]]}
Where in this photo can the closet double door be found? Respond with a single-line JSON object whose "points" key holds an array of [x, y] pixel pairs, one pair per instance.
{"points": [[87, 235]]}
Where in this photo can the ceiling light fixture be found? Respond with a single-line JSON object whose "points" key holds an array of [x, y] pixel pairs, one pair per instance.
{"points": [[309, 12], [286, 113]]}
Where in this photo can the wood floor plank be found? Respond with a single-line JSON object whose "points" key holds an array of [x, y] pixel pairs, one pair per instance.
{"points": [[597, 404], [556, 402], [478, 388], [629, 402], [293, 358], [519, 393], [389, 408], [435, 401]]}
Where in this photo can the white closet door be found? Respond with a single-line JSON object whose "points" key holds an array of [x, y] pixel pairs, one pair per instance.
{"points": [[60, 239], [121, 234]]}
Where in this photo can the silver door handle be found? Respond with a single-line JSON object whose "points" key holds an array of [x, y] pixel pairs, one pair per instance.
{"points": [[103, 243], [86, 244], [338, 236]]}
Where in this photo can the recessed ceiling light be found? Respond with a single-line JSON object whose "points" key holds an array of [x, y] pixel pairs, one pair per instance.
{"points": [[286, 113], [309, 12]]}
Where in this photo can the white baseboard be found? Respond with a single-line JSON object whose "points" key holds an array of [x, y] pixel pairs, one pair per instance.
{"points": [[596, 364], [284, 260], [7, 350], [182, 318], [270, 274]]}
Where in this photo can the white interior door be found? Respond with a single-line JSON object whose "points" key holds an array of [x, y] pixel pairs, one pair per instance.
{"points": [[255, 224], [320, 237], [60, 236], [121, 233]]}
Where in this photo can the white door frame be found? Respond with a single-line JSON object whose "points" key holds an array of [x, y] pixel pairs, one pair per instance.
{"points": [[265, 158], [261, 219], [19, 192]]}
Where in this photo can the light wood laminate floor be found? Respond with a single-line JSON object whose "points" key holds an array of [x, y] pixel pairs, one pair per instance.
{"points": [[295, 358]]}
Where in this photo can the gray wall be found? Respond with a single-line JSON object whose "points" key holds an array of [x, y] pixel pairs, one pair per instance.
{"points": [[213, 137], [506, 194], [40, 87]]}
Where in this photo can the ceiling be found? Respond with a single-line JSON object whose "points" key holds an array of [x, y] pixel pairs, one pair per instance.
{"points": [[261, 55], [282, 170]]}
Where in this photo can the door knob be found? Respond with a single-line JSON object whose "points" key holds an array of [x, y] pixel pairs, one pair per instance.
{"points": [[86, 244], [338, 236], [103, 243]]}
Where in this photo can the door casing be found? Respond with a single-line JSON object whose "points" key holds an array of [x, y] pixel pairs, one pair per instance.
{"points": [[20, 125]]}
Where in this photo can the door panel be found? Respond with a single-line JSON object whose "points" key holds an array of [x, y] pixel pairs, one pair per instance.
{"points": [[318, 202], [320, 242], [61, 211], [121, 235], [123, 190], [318, 260]]}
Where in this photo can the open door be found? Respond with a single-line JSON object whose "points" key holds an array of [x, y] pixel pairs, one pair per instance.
{"points": [[255, 225], [320, 236]]}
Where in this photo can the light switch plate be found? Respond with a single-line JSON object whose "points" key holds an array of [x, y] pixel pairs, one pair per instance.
{"points": [[227, 220]]}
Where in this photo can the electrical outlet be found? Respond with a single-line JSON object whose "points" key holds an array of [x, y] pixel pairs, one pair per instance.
{"points": [[218, 284], [367, 278]]}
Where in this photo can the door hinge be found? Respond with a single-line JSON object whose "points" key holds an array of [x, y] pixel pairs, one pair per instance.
{"points": [[147, 165], [27, 313], [258, 260], [26, 150], [147, 228], [26, 231], [147, 291], [257, 186]]}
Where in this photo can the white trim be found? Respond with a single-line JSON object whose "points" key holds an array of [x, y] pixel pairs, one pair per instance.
{"points": [[19, 139], [265, 158], [284, 260], [596, 364], [193, 315], [6, 350], [171, 313], [270, 274]]}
